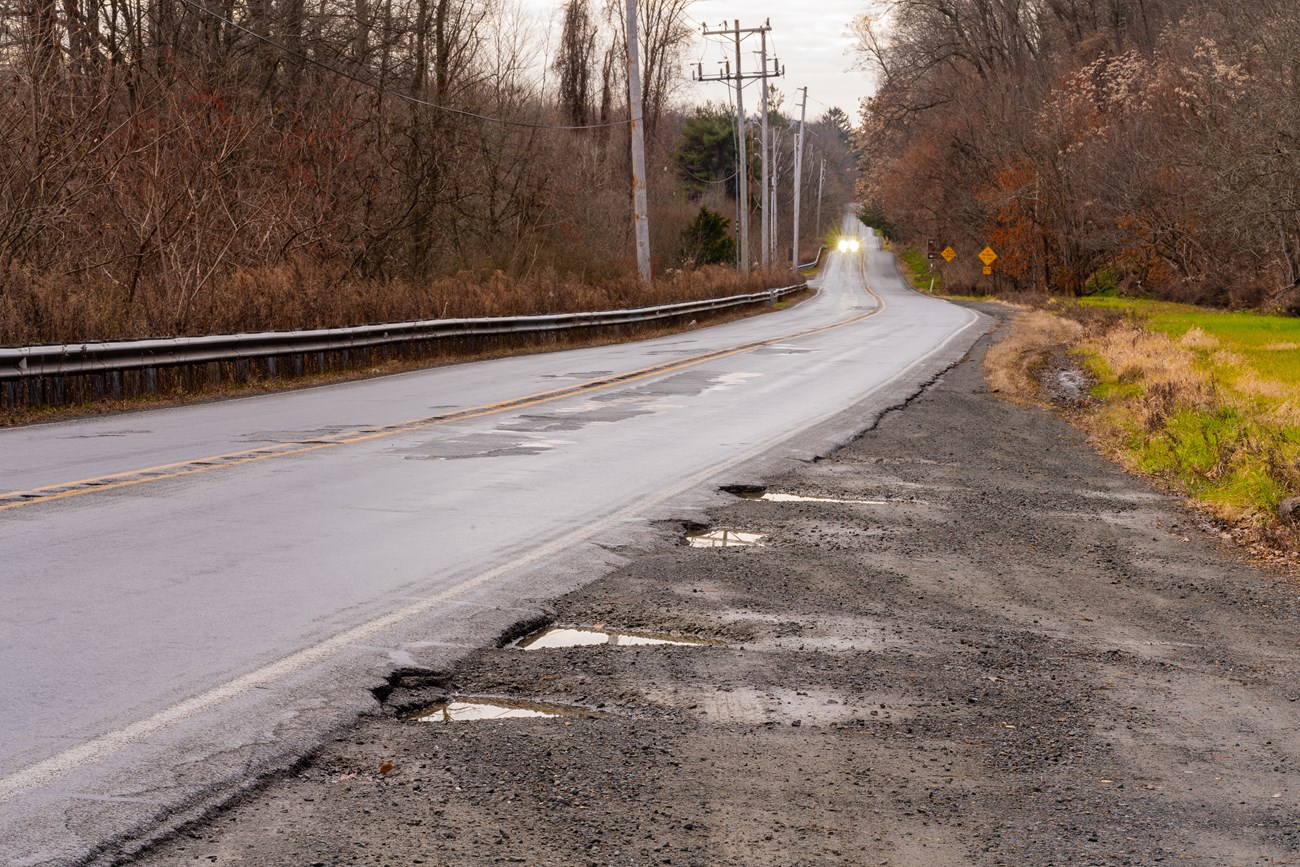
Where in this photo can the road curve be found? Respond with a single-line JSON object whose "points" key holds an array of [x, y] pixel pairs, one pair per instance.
{"points": [[193, 596]]}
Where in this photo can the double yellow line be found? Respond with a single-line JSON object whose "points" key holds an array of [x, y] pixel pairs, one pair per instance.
{"points": [[116, 481]]}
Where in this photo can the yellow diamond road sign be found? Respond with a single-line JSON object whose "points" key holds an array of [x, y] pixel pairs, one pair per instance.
{"points": [[987, 256], [948, 254]]}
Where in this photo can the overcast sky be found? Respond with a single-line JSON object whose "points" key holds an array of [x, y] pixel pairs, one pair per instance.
{"points": [[811, 39]]}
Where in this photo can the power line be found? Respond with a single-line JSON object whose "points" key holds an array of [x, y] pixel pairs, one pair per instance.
{"points": [[414, 100], [824, 105], [737, 33], [690, 174]]}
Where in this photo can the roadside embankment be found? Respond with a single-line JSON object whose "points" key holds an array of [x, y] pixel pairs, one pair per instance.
{"points": [[1206, 403], [973, 641]]}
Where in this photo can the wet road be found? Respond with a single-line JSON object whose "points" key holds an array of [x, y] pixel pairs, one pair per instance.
{"points": [[223, 581]]}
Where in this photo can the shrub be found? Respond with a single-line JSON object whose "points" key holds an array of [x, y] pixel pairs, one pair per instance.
{"points": [[707, 240]]}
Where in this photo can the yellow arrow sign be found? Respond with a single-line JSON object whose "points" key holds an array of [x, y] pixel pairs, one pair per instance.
{"points": [[987, 256], [948, 254]]}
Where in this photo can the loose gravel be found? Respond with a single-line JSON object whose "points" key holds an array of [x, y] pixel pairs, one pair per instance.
{"points": [[1013, 654]]}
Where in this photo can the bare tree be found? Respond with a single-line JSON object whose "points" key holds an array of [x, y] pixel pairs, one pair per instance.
{"points": [[574, 60]]}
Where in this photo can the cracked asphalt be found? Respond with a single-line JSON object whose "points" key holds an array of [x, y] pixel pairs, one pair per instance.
{"points": [[1022, 656]]}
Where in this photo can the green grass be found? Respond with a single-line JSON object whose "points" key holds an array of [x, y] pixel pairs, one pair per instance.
{"points": [[1221, 456], [917, 269], [1193, 414], [1269, 345], [1107, 387]]}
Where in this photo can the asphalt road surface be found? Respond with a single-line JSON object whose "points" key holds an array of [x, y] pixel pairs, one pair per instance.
{"points": [[196, 596]]}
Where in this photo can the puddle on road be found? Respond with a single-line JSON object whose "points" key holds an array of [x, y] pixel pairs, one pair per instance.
{"points": [[480, 710], [797, 498], [755, 492], [724, 539], [783, 349], [580, 374], [490, 444], [559, 637]]}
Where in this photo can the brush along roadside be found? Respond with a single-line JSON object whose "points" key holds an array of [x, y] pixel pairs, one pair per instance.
{"points": [[1205, 403], [404, 358]]}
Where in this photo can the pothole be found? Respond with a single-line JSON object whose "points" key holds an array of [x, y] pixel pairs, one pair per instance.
{"points": [[724, 538], [799, 498], [487, 710], [757, 492], [749, 705], [561, 637]]}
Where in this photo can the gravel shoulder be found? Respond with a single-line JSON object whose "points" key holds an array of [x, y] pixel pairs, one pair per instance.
{"points": [[1013, 653]]}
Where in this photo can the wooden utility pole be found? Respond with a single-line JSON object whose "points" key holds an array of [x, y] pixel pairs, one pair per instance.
{"points": [[821, 181], [742, 156], [767, 170], [636, 128], [737, 33], [798, 177]]}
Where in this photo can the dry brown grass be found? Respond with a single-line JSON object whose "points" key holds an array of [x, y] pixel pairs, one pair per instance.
{"points": [[1011, 365], [17, 416], [1166, 370], [1184, 412], [302, 296]]}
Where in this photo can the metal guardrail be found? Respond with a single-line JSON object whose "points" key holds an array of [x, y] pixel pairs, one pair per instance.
{"points": [[18, 363], [816, 259]]}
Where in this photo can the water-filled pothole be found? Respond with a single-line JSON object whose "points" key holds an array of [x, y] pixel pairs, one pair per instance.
{"points": [[757, 492], [560, 637], [797, 498], [478, 710], [724, 538]]}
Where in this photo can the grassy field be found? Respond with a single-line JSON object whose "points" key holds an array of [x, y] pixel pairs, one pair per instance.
{"points": [[1268, 345], [1206, 401]]}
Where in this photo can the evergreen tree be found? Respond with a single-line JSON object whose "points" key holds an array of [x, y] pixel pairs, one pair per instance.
{"points": [[707, 240], [708, 153]]}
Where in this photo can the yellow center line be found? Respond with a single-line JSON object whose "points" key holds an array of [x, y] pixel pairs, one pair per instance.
{"points": [[117, 481]]}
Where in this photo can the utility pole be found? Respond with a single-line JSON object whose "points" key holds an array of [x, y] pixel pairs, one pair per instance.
{"points": [[798, 178], [737, 33], [640, 210], [776, 200], [767, 177], [742, 155], [821, 181], [769, 160]]}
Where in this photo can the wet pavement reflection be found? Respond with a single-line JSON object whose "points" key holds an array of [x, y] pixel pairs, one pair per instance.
{"points": [[559, 637], [724, 539], [470, 710], [798, 498]]}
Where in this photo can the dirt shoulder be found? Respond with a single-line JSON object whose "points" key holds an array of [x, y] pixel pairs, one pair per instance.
{"points": [[1022, 656]]}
